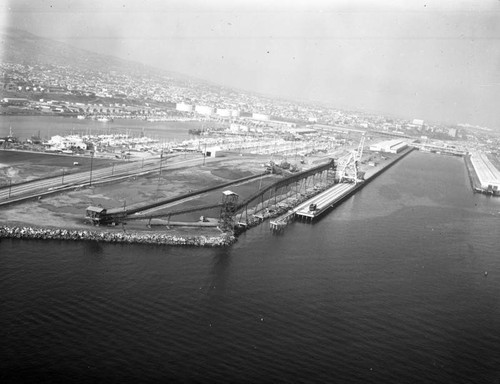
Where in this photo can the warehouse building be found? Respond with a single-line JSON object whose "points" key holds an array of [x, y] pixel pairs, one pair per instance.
{"points": [[183, 107], [204, 110], [390, 146], [488, 175]]}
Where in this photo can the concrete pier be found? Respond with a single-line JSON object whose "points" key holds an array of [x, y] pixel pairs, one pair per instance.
{"points": [[331, 197], [324, 200]]}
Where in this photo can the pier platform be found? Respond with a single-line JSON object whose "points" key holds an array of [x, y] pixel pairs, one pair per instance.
{"points": [[325, 200], [331, 197], [485, 177]]}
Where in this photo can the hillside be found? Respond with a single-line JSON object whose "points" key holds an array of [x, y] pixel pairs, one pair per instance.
{"points": [[18, 46], [25, 48]]}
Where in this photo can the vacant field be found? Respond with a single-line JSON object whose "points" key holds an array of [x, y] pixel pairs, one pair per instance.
{"points": [[17, 166], [67, 210]]}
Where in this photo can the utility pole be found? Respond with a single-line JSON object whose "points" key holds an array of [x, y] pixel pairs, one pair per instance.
{"points": [[91, 161], [161, 161], [10, 186], [204, 153], [62, 179]]}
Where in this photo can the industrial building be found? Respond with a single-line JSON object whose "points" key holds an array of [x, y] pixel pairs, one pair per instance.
{"points": [[15, 101], [390, 146], [488, 175], [418, 122], [183, 107], [61, 143], [224, 112], [204, 110]]}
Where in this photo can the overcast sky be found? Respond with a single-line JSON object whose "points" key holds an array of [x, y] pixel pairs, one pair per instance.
{"points": [[435, 60]]}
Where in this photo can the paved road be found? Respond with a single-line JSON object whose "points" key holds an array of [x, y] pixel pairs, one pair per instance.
{"points": [[115, 172]]}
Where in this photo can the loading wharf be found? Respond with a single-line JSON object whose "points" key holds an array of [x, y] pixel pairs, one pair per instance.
{"points": [[316, 206]]}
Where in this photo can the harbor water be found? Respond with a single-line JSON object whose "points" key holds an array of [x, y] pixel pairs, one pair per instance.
{"points": [[399, 284], [24, 127]]}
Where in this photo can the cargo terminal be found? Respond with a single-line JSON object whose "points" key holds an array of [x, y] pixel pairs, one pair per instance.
{"points": [[390, 146]]}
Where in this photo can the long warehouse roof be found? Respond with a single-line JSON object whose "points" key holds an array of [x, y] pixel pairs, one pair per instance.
{"points": [[485, 170]]}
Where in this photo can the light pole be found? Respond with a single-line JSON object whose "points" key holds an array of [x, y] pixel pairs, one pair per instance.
{"points": [[161, 162], [91, 161]]}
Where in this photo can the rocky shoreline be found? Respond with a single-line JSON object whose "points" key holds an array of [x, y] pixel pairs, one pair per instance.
{"points": [[114, 237]]}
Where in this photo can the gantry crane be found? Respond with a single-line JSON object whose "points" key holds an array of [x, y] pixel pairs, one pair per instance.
{"points": [[349, 166]]}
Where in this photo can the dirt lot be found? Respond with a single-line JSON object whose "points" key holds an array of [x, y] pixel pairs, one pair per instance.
{"points": [[67, 210]]}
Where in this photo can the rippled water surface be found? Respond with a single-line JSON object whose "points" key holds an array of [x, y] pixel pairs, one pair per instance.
{"points": [[389, 287]]}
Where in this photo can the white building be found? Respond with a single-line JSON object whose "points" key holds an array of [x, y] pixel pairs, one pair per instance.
{"points": [[183, 107], [418, 122], [223, 112], [62, 143], [204, 110], [391, 146], [214, 151], [488, 175], [260, 116]]}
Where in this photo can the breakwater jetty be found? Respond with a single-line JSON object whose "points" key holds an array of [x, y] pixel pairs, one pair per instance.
{"points": [[14, 232]]}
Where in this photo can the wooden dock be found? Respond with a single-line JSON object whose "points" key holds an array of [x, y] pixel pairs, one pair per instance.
{"points": [[281, 222]]}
